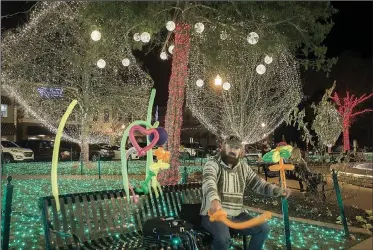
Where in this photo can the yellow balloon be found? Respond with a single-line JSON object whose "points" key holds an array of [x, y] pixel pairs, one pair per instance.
{"points": [[56, 149]]}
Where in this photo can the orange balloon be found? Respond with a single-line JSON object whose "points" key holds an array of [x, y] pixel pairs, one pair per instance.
{"points": [[162, 154], [221, 215]]}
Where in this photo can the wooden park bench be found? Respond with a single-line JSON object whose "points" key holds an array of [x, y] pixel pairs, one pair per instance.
{"points": [[105, 220]]}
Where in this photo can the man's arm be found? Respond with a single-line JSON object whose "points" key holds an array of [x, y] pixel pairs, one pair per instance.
{"points": [[209, 181], [260, 186]]}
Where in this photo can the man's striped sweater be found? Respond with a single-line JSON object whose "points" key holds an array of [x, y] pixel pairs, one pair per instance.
{"points": [[228, 185]]}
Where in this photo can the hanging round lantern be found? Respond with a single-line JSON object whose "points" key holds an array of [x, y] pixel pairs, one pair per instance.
{"points": [[268, 59], [163, 55], [101, 63], [170, 25], [253, 38], [199, 83], [126, 62], [260, 69], [171, 49], [145, 37], [137, 37], [226, 86], [199, 27], [96, 35]]}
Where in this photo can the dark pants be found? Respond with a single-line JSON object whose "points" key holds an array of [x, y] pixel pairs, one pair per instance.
{"points": [[222, 238]]}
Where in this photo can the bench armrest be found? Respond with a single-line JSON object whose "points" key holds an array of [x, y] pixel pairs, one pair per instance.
{"points": [[65, 235]]}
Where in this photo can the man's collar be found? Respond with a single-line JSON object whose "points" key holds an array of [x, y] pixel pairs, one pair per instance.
{"points": [[221, 162]]}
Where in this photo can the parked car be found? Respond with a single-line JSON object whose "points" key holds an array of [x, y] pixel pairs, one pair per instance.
{"points": [[43, 149], [97, 151], [10, 152], [189, 150], [212, 150], [116, 150]]}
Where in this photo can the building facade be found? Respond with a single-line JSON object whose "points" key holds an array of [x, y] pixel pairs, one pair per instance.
{"points": [[8, 114]]}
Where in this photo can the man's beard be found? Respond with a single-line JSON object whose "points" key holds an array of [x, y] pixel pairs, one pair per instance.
{"points": [[229, 159]]}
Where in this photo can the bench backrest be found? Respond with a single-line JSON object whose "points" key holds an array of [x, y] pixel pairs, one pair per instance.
{"points": [[96, 215]]}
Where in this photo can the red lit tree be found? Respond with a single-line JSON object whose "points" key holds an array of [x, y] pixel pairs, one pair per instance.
{"points": [[346, 106]]}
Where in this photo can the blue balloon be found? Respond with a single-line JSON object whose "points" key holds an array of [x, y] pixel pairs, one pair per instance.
{"points": [[163, 136]]}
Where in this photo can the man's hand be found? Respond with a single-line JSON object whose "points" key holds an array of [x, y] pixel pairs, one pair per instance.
{"points": [[282, 192], [286, 193], [215, 206]]}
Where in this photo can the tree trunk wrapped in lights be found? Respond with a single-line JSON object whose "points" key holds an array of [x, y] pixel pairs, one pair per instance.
{"points": [[346, 106], [174, 115]]}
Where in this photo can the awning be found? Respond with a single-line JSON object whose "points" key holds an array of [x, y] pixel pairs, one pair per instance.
{"points": [[8, 129], [38, 130], [5, 100]]}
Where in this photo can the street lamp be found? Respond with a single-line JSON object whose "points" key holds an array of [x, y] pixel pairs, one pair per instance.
{"points": [[218, 81]]}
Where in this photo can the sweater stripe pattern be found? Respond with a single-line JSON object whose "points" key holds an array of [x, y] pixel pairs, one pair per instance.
{"points": [[228, 185]]}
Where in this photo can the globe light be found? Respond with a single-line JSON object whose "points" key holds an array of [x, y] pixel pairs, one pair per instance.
{"points": [[123, 126], [253, 38], [171, 49], [96, 35], [268, 59], [260, 69], [101, 63], [223, 35], [199, 27], [163, 56], [145, 37], [226, 86], [199, 83], [126, 62], [263, 124], [137, 37], [218, 80], [170, 25]]}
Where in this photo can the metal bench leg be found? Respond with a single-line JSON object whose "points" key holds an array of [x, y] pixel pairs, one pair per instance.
{"points": [[244, 239]]}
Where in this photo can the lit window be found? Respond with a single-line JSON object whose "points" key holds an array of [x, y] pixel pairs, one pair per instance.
{"points": [[4, 110]]}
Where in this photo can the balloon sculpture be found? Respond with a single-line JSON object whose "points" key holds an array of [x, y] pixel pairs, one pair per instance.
{"points": [[221, 215], [56, 150], [155, 136], [278, 155]]}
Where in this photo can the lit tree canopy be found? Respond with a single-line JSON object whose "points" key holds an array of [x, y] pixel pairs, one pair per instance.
{"points": [[328, 122], [249, 105], [53, 59]]}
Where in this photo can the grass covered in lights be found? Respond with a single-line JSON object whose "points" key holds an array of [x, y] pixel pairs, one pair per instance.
{"points": [[73, 168], [27, 231]]}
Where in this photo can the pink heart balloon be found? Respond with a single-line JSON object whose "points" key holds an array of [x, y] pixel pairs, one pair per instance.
{"points": [[141, 151]]}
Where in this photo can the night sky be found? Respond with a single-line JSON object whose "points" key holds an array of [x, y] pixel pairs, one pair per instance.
{"points": [[350, 40]]}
